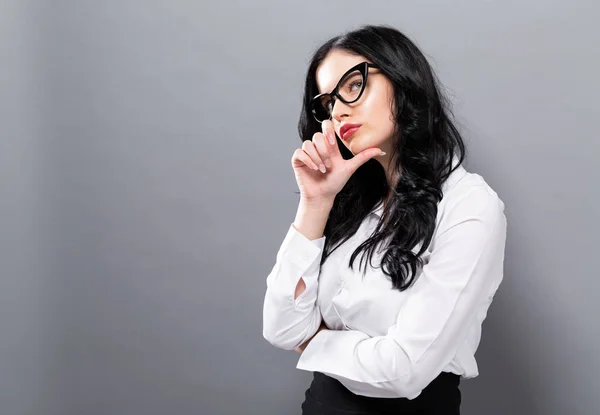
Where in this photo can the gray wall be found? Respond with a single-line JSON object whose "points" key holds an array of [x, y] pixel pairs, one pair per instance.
{"points": [[146, 187]]}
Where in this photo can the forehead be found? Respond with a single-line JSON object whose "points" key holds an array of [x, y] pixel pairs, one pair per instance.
{"points": [[335, 64]]}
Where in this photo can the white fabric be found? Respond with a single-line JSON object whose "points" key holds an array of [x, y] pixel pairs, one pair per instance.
{"points": [[383, 342]]}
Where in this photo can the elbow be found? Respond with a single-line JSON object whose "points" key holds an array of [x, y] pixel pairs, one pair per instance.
{"points": [[288, 334], [276, 339], [287, 328], [410, 387], [405, 378], [277, 331]]}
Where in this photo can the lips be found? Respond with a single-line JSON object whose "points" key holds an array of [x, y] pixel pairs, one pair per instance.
{"points": [[348, 129]]}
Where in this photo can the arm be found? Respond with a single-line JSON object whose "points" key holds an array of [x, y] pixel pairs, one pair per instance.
{"points": [[464, 270], [289, 313], [301, 348]]}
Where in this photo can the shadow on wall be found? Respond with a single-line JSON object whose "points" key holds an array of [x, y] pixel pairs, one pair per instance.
{"points": [[504, 384]]}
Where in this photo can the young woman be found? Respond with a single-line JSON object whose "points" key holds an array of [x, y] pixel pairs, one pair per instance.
{"points": [[381, 181]]}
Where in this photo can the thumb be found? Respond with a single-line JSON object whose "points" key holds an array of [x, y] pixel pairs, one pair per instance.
{"points": [[361, 158]]}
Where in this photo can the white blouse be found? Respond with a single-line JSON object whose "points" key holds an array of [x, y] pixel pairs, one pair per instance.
{"points": [[382, 342]]}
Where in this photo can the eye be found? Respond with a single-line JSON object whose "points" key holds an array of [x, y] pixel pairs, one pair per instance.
{"points": [[358, 84]]}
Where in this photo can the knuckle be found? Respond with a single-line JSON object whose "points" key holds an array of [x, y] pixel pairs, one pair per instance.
{"points": [[318, 138], [323, 149]]}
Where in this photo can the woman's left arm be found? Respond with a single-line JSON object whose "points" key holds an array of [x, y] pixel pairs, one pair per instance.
{"points": [[301, 348], [464, 270]]}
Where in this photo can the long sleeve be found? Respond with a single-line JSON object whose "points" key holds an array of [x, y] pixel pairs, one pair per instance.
{"points": [[289, 322], [464, 270]]}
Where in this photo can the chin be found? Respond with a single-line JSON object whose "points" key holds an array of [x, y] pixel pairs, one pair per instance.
{"points": [[370, 142], [356, 145], [353, 148]]}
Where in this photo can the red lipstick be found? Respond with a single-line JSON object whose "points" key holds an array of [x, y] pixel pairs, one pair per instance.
{"points": [[348, 129]]}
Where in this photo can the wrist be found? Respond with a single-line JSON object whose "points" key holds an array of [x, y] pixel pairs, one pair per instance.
{"points": [[317, 204]]}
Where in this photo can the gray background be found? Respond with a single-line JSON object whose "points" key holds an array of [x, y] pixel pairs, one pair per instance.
{"points": [[146, 186]]}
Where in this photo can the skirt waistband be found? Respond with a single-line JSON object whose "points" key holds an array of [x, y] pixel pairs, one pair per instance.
{"points": [[327, 395]]}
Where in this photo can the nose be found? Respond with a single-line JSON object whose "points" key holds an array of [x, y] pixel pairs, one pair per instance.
{"points": [[340, 110]]}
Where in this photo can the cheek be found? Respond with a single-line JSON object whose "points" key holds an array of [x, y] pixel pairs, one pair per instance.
{"points": [[378, 112], [377, 101]]}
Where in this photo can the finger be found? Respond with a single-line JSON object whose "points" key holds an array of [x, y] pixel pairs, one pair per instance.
{"points": [[321, 144], [310, 149], [301, 156], [329, 131], [361, 158]]}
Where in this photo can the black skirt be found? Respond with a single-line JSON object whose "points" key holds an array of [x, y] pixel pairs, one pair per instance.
{"points": [[327, 396]]}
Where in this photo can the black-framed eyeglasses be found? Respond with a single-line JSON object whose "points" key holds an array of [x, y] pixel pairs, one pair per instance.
{"points": [[349, 89]]}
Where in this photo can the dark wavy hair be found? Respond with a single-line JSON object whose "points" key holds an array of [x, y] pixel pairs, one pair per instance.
{"points": [[425, 143]]}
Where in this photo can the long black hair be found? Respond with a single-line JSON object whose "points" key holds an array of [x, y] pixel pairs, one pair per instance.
{"points": [[425, 144]]}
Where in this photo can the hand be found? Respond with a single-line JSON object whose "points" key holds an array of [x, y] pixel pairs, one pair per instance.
{"points": [[313, 183], [301, 348]]}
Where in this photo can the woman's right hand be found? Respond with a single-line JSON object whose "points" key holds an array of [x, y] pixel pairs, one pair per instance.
{"points": [[314, 184]]}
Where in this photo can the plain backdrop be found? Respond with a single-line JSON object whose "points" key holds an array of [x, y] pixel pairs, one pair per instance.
{"points": [[146, 187]]}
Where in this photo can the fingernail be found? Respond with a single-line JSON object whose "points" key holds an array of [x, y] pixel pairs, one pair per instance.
{"points": [[331, 138], [383, 153], [322, 168], [328, 163]]}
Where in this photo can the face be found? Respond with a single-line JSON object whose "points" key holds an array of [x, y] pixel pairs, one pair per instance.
{"points": [[373, 110]]}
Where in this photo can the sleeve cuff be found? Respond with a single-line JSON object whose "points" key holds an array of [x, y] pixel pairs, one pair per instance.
{"points": [[330, 351], [300, 250], [299, 257]]}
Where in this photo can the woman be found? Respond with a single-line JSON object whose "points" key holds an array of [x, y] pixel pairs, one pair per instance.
{"points": [[380, 176]]}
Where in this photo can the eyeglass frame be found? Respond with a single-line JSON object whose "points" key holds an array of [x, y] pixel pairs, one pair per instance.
{"points": [[364, 70]]}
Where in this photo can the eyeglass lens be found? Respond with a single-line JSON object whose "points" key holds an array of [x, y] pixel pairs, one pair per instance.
{"points": [[349, 89]]}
